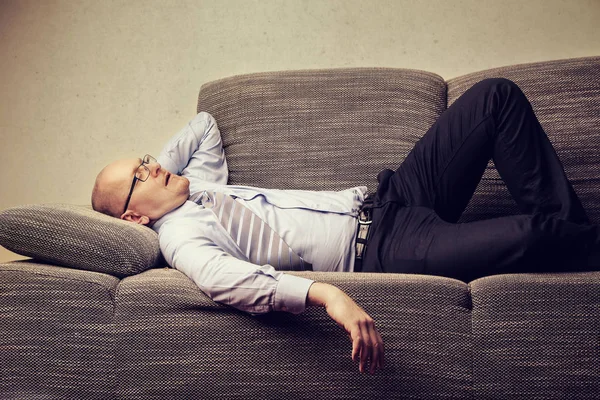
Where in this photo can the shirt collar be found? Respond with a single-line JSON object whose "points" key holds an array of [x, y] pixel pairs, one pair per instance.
{"points": [[179, 211]]}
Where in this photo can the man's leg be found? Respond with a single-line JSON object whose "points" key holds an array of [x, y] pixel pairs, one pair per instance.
{"points": [[518, 243], [493, 119], [411, 239]]}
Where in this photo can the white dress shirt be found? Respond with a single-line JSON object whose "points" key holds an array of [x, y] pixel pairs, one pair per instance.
{"points": [[320, 226]]}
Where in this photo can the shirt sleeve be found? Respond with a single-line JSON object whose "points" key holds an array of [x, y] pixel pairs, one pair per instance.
{"points": [[225, 279], [196, 151]]}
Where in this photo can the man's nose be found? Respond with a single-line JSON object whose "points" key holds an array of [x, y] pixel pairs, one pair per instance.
{"points": [[154, 168]]}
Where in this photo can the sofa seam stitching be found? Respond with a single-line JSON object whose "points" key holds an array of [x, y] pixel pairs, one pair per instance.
{"points": [[117, 382], [472, 380]]}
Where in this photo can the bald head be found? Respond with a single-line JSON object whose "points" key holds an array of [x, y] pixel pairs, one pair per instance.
{"points": [[110, 191], [156, 193]]}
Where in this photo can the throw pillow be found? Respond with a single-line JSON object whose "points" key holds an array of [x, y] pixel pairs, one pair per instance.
{"points": [[79, 237]]}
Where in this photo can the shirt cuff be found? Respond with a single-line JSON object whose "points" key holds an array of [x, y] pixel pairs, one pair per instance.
{"points": [[291, 293]]}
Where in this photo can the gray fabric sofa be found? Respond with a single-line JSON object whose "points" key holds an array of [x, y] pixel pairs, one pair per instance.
{"points": [[75, 325]]}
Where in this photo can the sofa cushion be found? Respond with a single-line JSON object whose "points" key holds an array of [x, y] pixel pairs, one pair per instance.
{"points": [[79, 237], [536, 336], [321, 129], [564, 95], [56, 332], [186, 346]]}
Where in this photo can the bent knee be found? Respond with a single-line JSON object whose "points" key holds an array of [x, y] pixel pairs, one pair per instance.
{"points": [[502, 85]]}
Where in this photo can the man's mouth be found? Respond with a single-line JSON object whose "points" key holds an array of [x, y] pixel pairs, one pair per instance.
{"points": [[168, 176]]}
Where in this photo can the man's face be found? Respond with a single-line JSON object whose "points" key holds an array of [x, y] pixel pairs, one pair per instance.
{"points": [[161, 193]]}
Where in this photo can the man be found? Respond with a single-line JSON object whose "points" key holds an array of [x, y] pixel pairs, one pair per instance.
{"points": [[209, 230]]}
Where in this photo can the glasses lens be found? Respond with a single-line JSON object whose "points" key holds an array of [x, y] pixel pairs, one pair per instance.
{"points": [[142, 173], [149, 159]]}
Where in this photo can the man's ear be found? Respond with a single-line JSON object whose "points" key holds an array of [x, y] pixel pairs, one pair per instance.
{"points": [[134, 217]]}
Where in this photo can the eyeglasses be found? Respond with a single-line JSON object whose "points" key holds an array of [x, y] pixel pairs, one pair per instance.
{"points": [[141, 174]]}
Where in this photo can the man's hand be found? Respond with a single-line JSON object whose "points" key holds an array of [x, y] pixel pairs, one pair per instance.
{"points": [[367, 345]]}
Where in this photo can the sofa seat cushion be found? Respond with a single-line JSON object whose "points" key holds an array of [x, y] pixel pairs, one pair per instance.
{"points": [[56, 329], [79, 237], [536, 336], [186, 346]]}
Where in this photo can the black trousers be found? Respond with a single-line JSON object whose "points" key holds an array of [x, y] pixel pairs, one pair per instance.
{"points": [[417, 206]]}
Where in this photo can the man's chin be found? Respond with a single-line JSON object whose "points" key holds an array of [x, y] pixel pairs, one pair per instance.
{"points": [[182, 183], [186, 182]]}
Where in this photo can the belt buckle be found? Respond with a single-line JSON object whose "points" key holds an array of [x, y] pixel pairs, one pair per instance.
{"points": [[366, 220], [364, 223]]}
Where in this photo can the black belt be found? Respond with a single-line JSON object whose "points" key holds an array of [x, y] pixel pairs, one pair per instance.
{"points": [[362, 233]]}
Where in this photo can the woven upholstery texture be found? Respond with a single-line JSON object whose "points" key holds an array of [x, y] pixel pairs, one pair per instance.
{"points": [[565, 97], [72, 333], [56, 333], [536, 336], [321, 129], [186, 346], [79, 237]]}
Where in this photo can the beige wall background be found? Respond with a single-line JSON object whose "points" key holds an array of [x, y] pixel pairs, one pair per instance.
{"points": [[85, 82]]}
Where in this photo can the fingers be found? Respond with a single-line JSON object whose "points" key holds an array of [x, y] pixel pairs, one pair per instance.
{"points": [[381, 349], [360, 347], [356, 345], [374, 352], [366, 353], [367, 346], [377, 350]]}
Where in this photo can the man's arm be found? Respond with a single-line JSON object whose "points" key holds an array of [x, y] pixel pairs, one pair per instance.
{"points": [[367, 344], [260, 289], [255, 289], [196, 151]]}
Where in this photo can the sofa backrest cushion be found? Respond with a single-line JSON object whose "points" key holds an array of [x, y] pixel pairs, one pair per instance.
{"points": [[332, 129], [321, 129], [79, 237], [565, 95]]}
